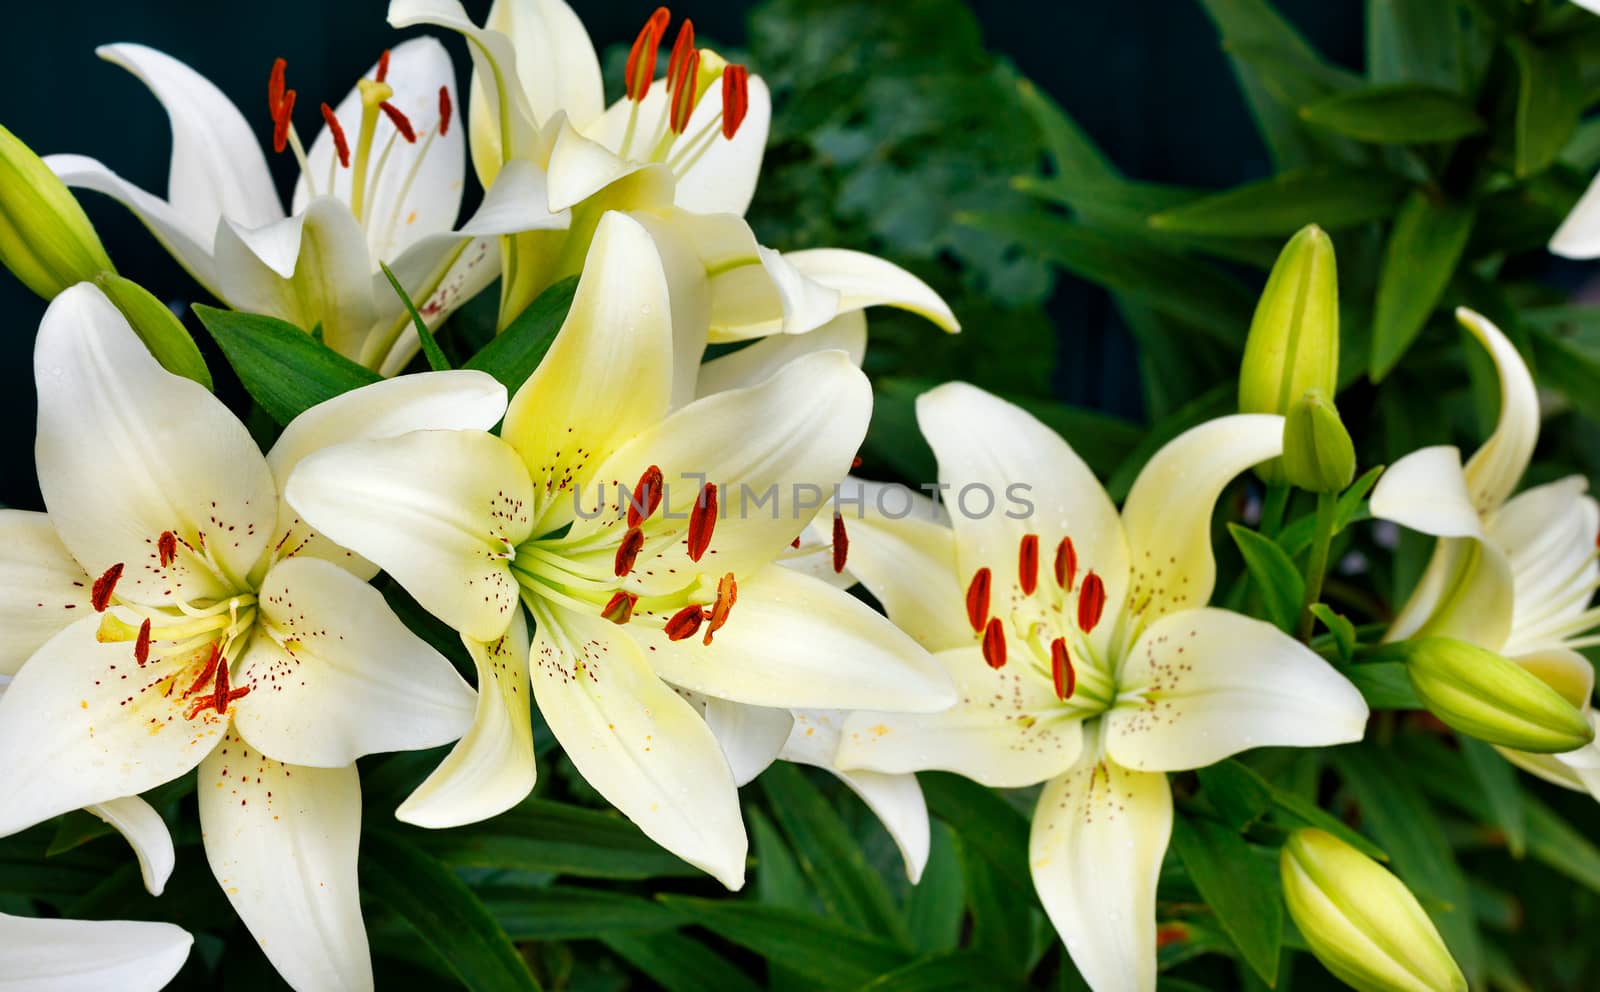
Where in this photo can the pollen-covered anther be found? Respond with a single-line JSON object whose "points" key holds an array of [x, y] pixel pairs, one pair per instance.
{"points": [[702, 521], [383, 67], [685, 623], [167, 547], [994, 643], [681, 47], [104, 586], [1091, 602], [280, 121], [141, 645], [220, 697], [1028, 564], [978, 600], [206, 673], [646, 496], [735, 99], [1066, 564], [275, 86], [727, 595], [641, 68], [445, 109], [628, 551], [401, 122], [620, 608], [340, 144], [841, 544], [684, 91], [1062, 672]]}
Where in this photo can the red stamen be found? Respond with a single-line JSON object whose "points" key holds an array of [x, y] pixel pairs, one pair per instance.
{"points": [[646, 496], [727, 595], [684, 623], [1066, 564], [796, 543], [275, 86], [167, 547], [1091, 602], [681, 49], [141, 647], [841, 544], [383, 67], [100, 592], [641, 69], [702, 521], [444, 111], [735, 98], [994, 644], [620, 609], [340, 145], [207, 672], [978, 600], [628, 551], [855, 462], [682, 87], [400, 121], [280, 122], [1028, 564], [1062, 673]]}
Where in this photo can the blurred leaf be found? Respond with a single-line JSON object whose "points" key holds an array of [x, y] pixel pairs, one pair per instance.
{"points": [[1384, 685], [1569, 367], [1549, 104], [76, 829], [1236, 788], [513, 355], [282, 367], [1423, 250], [1331, 196], [1074, 153], [678, 963], [1414, 41], [539, 835], [1282, 588], [1501, 791], [1296, 536], [820, 949], [1241, 888], [985, 823], [1001, 916], [938, 901], [958, 971], [570, 913], [1401, 114], [1343, 631]]}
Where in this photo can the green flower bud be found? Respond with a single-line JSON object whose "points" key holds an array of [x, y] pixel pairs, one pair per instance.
{"points": [[1362, 923], [1318, 455], [46, 239], [1293, 346], [1481, 694], [162, 332]]}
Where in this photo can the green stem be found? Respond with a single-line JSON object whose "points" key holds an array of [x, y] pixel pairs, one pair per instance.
{"points": [[1317, 568], [1273, 509]]}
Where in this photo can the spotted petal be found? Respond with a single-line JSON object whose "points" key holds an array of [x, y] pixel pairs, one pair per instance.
{"points": [[42, 589]]}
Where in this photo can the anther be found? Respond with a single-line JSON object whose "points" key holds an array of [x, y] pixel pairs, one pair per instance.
{"points": [[682, 88], [646, 496], [400, 121], [685, 622], [641, 68], [727, 595], [1028, 564], [735, 99], [841, 544], [275, 86], [167, 547], [280, 121], [978, 600], [628, 551], [141, 646], [444, 110], [383, 66], [340, 144], [681, 48], [207, 672], [1091, 602], [702, 521], [1066, 564], [104, 586], [1061, 671], [994, 643], [796, 543], [620, 609]]}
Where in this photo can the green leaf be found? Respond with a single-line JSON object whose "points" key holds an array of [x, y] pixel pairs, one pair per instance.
{"points": [[1414, 41], [958, 971], [1331, 196], [1549, 105], [1074, 153], [75, 830], [513, 355], [1343, 631], [1236, 787], [1001, 925], [1569, 367], [158, 327], [436, 360], [1384, 685], [1422, 254], [986, 824], [444, 913], [1241, 888], [1282, 588], [1401, 114], [937, 903], [281, 366], [851, 890], [570, 913], [819, 949], [678, 963], [1501, 791], [1297, 535], [539, 835]]}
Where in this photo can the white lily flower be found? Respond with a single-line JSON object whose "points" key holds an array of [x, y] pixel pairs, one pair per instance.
{"points": [[53, 955], [681, 154], [170, 613], [1512, 574], [382, 182], [1084, 653], [634, 593]]}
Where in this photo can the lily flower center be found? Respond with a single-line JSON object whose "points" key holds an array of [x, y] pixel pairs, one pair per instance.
{"points": [[691, 74]]}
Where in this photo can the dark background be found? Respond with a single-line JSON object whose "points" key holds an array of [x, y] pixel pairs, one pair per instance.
{"points": [[1146, 78]]}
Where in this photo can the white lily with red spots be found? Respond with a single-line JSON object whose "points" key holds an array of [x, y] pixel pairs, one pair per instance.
{"points": [[672, 585], [681, 153], [1085, 655], [382, 182], [1513, 574], [169, 612]]}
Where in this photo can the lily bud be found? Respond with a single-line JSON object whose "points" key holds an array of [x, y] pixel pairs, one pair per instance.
{"points": [[1481, 694], [160, 330], [1362, 923], [1293, 346], [46, 239], [1318, 455]]}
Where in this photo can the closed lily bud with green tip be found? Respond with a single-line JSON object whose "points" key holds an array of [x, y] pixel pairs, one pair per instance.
{"points": [[1361, 922], [1293, 347], [1318, 455], [1481, 694], [46, 239]]}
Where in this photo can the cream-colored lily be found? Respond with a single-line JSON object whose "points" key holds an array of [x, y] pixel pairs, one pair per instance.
{"points": [[382, 182], [681, 154], [1512, 574], [631, 594], [170, 612], [1084, 653], [52, 955]]}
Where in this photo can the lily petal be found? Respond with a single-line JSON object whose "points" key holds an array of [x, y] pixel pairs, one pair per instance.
{"points": [[1426, 491], [1579, 235], [282, 840], [751, 736], [1098, 838], [1548, 536], [42, 589], [640, 744], [146, 832], [556, 61], [1008, 731], [863, 280], [127, 451], [580, 167], [1466, 592], [492, 768], [759, 360], [1169, 508], [723, 178], [1494, 469], [441, 511], [1215, 683], [53, 955]]}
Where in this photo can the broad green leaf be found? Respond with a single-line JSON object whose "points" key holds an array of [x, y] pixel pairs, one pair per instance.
{"points": [[158, 327], [1282, 588], [1331, 196], [986, 824], [818, 948], [1384, 685], [937, 903], [1073, 152], [1343, 631], [958, 971], [678, 963], [1549, 105], [1501, 792], [282, 367], [1236, 788], [1241, 888], [1414, 41], [779, 882], [571, 913], [1569, 367], [539, 835], [444, 913], [1424, 249], [1401, 114], [1002, 916], [513, 355]]}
